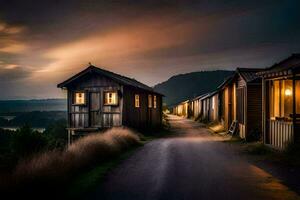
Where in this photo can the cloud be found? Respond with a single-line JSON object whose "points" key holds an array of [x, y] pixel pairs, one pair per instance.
{"points": [[11, 38], [13, 73], [147, 40]]}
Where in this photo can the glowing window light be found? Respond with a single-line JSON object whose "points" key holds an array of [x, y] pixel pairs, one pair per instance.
{"points": [[79, 98], [111, 98], [288, 92], [137, 100]]}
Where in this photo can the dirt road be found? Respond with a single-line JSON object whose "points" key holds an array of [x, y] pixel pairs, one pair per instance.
{"points": [[194, 165]]}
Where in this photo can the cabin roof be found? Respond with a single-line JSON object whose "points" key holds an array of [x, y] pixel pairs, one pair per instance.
{"points": [[284, 67], [199, 97], [117, 77], [206, 96], [250, 74], [225, 82]]}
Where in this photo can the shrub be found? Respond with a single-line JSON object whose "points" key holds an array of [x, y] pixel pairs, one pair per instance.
{"points": [[53, 168], [25, 141], [254, 135], [56, 134], [258, 149]]}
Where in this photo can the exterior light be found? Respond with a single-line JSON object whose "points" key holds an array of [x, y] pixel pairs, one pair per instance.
{"points": [[288, 92]]}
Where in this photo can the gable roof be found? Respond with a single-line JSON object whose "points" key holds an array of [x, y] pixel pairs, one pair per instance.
{"points": [[199, 97], [116, 77], [249, 74], [284, 67], [225, 82]]}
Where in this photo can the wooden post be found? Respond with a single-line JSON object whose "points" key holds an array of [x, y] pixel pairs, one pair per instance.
{"points": [[263, 111], [69, 137], [294, 108]]}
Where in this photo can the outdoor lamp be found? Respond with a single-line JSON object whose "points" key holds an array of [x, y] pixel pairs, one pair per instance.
{"points": [[288, 92]]}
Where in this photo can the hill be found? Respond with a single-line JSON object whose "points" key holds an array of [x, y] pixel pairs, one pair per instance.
{"points": [[185, 86], [9, 106]]}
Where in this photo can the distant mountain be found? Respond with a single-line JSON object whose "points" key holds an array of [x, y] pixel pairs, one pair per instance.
{"points": [[185, 86], [9, 106]]}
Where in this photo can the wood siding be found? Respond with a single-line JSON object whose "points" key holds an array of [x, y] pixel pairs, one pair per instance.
{"points": [[143, 116], [280, 134], [94, 113], [254, 109]]}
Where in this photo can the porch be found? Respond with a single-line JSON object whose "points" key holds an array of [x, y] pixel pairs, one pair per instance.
{"points": [[282, 105]]}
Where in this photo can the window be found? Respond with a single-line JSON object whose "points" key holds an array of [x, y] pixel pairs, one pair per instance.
{"points": [[149, 101], [281, 101], [79, 98], [110, 98], [154, 101], [137, 100]]}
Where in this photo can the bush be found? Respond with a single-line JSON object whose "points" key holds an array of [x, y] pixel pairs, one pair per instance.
{"points": [[25, 142], [53, 168], [254, 135], [56, 134], [258, 149], [5, 137]]}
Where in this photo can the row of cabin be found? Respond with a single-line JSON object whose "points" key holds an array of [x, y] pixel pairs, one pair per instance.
{"points": [[263, 103], [99, 99]]}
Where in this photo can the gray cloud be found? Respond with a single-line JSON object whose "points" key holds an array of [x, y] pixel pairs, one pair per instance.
{"points": [[148, 40]]}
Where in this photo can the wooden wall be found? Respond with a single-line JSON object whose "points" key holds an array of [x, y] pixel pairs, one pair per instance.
{"points": [[254, 109], [94, 113], [213, 108], [196, 108], [142, 117]]}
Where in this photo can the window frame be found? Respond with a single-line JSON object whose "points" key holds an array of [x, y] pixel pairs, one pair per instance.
{"points": [[154, 101], [150, 99], [104, 98], [137, 99], [74, 98]]}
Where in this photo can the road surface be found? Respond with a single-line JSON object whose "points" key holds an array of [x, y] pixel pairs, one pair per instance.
{"points": [[194, 165]]}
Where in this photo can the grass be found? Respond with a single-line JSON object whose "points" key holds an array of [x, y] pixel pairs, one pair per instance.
{"points": [[55, 169], [258, 148], [88, 180], [259, 151]]}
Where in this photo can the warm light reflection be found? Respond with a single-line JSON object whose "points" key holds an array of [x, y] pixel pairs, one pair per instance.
{"points": [[288, 92]]}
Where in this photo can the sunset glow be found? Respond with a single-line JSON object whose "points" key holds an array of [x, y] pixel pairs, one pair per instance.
{"points": [[150, 41]]}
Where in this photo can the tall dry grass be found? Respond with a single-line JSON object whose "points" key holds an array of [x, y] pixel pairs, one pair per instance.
{"points": [[54, 168]]}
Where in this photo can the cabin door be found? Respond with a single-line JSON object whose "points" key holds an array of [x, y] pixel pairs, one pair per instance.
{"points": [[95, 109]]}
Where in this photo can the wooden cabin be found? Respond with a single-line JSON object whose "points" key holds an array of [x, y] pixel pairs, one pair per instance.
{"points": [[196, 107], [182, 109], [240, 99], [281, 102], [210, 106], [227, 102], [99, 99], [248, 94]]}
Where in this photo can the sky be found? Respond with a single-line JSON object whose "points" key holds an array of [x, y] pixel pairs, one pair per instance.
{"points": [[44, 42]]}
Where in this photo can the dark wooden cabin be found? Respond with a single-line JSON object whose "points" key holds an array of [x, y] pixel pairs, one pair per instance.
{"points": [[240, 99], [248, 102], [100, 99], [227, 102], [196, 107], [182, 109], [281, 102]]}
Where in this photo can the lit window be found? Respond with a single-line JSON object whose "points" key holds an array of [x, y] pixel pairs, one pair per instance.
{"points": [[154, 101], [137, 100], [149, 101], [110, 98], [281, 101], [79, 98]]}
